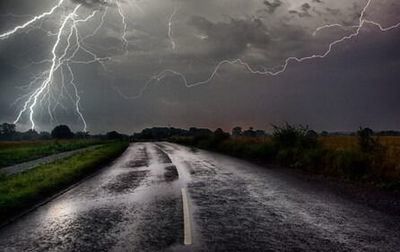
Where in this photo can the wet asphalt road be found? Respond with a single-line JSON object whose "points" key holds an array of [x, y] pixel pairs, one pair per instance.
{"points": [[135, 204]]}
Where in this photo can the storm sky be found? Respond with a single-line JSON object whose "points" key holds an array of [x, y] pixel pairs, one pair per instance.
{"points": [[355, 85]]}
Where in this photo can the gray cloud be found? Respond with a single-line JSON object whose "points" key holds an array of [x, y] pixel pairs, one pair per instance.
{"points": [[272, 5], [93, 3], [229, 39], [304, 11], [355, 85]]}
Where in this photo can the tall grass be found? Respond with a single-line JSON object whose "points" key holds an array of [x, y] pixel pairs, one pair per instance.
{"points": [[23, 190], [338, 156]]}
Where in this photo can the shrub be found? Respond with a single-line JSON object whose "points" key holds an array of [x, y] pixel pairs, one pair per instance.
{"points": [[353, 164], [288, 136], [366, 141]]}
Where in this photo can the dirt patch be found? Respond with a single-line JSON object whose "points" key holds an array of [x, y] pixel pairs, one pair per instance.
{"points": [[171, 173], [127, 182]]}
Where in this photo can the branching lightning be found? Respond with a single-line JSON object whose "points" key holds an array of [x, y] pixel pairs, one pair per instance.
{"points": [[50, 86], [30, 22], [125, 27], [282, 68], [62, 56]]}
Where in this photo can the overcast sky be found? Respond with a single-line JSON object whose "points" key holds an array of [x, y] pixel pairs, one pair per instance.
{"points": [[356, 85]]}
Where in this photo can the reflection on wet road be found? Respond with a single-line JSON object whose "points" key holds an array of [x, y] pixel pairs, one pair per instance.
{"points": [[135, 204]]}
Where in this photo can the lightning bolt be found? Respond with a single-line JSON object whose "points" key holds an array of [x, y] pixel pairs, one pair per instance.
{"points": [[53, 68], [170, 31], [69, 43], [280, 69], [125, 26], [78, 98], [44, 93], [31, 21], [328, 26]]}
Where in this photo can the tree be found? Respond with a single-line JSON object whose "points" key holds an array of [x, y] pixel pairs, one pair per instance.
{"points": [[293, 136], [113, 135], [366, 141], [44, 135], [30, 135], [62, 132], [220, 135], [82, 135], [250, 132], [7, 129], [237, 131], [324, 133]]}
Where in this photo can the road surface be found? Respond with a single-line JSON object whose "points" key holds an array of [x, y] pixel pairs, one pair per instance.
{"points": [[136, 204]]}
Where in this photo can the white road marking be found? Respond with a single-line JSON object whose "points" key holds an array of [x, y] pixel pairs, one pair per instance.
{"points": [[186, 218]]}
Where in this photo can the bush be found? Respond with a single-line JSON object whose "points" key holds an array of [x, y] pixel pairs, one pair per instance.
{"points": [[352, 163], [288, 136]]}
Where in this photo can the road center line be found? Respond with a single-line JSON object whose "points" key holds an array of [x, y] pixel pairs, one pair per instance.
{"points": [[186, 218]]}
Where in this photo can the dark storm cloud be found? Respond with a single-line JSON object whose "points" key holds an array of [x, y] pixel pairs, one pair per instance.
{"points": [[233, 37], [304, 11], [272, 5], [356, 85], [334, 12], [93, 3]]}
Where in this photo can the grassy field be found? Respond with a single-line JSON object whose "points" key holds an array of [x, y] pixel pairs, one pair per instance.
{"points": [[17, 152], [336, 156], [336, 143], [24, 190], [391, 143]]}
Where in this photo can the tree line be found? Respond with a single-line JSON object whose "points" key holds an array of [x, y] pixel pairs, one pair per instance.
{"points": [[8, 132]]}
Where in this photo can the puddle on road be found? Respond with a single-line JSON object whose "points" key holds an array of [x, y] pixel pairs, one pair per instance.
{"points": [[140, 159], [159, 227], [126, 182], [171, 173], [162, 156]]}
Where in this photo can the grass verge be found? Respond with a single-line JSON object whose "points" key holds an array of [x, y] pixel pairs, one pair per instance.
{"points": [[24, 190], [365, 160], [12, 153]]}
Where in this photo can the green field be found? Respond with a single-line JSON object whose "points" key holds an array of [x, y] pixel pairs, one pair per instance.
{"points": [[26, 189], [12, 153]]}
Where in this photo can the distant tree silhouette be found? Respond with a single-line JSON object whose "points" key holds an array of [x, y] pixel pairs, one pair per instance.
{"points": [[62, 132], [44, 135], [365, 139], [30, 135], [237, 131], [324, 133], [82, 135], [7, 129], [220, 135], [113, 135], [250, 132], [312, 134], [260, 133]]}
